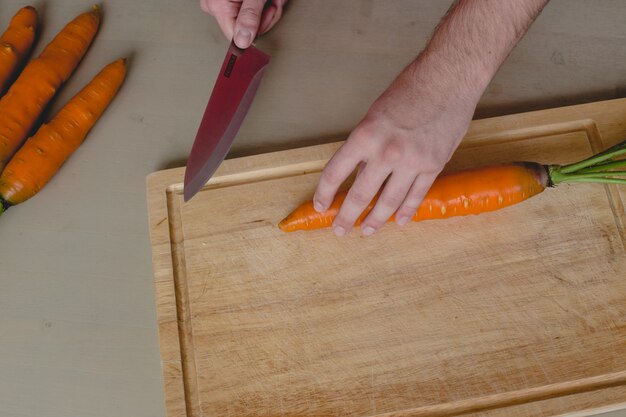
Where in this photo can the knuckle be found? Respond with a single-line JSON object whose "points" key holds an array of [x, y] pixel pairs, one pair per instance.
{"points": [[374, 221], [349, 152], [393, 201], [363, 131], [407, 210], [412, 160], [440, 157], [405, 213], [362, 134], [428, 166], [210, 7], [331, 175], [206, 6], [404, 210], [360, 197], [249, 14], [411, 203], [357, 141], [320, 197], [393, 152], [343, 221]]}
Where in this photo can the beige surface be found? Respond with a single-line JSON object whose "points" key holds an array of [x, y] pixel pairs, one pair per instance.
{"points": [[77, 319], [438, 318]]}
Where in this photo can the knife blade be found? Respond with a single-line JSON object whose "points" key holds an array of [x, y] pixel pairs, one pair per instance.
{"points": [[234, 90]]}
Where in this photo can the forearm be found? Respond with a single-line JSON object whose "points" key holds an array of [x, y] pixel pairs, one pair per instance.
{"points": [[469, 45]]}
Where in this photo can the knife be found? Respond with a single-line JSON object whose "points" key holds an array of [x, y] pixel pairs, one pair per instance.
{"points": [[232, 95]]}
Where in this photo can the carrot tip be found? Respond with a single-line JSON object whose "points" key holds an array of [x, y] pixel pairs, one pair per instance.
{"points": [[286, 225], [27, 16], [97, 9]]}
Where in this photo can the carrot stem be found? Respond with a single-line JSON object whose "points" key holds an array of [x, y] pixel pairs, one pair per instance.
{"points": [[599, 180], [621, 163], [608, 154], [557, 176], [602, 174], [602, 167]]}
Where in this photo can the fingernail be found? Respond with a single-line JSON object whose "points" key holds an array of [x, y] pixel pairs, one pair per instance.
{"points": [[403, 220], [368, 231], [318, 206], [243, 38], [339, 231]]}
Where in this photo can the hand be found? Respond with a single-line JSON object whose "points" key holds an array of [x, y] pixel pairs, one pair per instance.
{"points": [[412, 130], [404, 141], [243, 20]]}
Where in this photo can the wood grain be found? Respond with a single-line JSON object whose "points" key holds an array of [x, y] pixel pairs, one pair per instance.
{"points": [[516, 312]]}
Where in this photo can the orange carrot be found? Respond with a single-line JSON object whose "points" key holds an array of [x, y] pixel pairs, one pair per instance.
{"points": [[16, 43], [43, 154], [37, 84], [480, 190]]}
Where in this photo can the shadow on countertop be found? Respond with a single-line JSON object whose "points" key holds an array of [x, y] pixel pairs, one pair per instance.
{"points": [[482, 112], [487, 110]]}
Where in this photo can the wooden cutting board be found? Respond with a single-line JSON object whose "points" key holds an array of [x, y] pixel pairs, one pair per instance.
{"points": [[520, 312]]}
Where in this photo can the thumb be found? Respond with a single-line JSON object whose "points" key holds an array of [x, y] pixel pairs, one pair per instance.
{"points": [[248, 22]]}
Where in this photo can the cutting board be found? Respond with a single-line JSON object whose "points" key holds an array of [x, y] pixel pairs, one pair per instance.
{"points": [[519, 312]]}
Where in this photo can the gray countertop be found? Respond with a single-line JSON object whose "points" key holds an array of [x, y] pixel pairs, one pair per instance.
{"points": [[78, 335]]}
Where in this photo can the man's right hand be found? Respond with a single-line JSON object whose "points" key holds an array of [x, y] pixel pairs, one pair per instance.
{"points": [[243, 20]]}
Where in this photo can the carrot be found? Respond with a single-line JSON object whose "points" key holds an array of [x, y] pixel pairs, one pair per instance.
{"points": [[480, 190], [16, 42], [43, 154], [38, 83]]}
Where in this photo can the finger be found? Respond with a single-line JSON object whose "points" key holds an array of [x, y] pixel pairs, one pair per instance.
{"points": [[224, 13], [204, 5], [360, 167], [414, 198], [227, 24], [267, 19], [359, 196], [393, 195], [337, 170], [271, 16], [248, 21]]}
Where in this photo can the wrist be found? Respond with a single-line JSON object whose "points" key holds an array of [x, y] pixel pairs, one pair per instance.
{"points": [[429, 88], [449, 77]]}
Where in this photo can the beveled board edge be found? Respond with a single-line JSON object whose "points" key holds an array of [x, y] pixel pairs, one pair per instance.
{"points": [[610, 122], [598, 410]]}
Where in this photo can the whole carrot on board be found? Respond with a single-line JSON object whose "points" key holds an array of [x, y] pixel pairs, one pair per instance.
{"points": [[16, 42], [43, 154], [23, 104], [480, 190]]}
